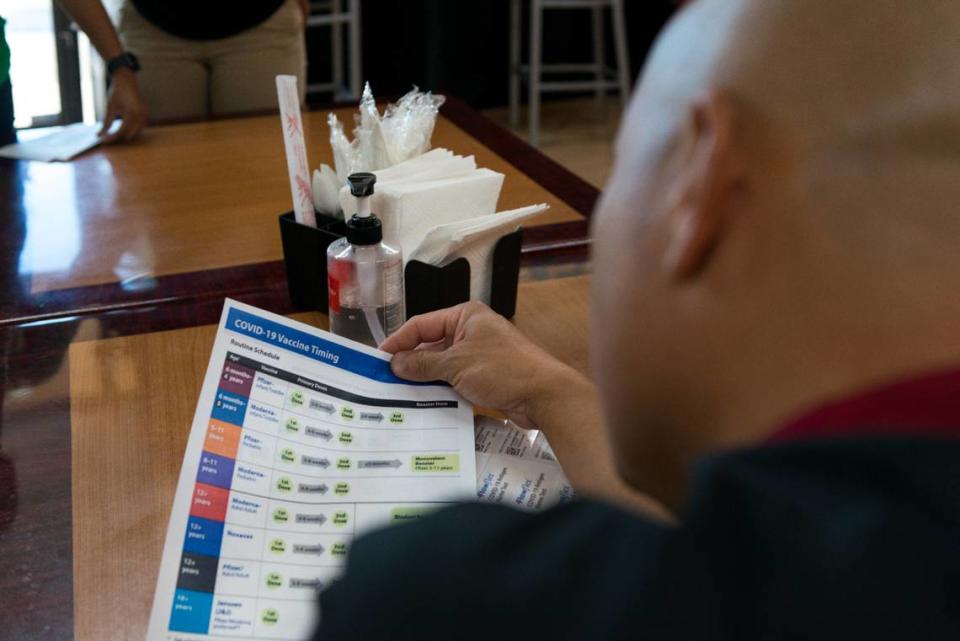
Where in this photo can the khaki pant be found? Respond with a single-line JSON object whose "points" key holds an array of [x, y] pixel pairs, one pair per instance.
{"points": [[191, 79]]}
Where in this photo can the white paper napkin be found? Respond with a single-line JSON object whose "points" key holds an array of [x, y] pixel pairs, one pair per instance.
{"points": [[474, 240]]}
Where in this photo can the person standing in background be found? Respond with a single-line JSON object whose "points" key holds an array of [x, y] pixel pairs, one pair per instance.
{"points": [[205, 58]]}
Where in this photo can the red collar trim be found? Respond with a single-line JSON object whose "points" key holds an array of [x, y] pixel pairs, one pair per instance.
{"points": [[928, 405]]}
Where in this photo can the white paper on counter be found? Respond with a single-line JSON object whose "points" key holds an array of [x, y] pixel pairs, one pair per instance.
{"points": [[62, 144]]}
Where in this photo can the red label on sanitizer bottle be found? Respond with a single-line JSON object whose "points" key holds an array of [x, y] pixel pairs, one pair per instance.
{"points": [[333, 293]]}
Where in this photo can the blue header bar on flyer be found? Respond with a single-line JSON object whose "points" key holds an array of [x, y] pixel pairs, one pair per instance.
{"points": [[313, 347]]}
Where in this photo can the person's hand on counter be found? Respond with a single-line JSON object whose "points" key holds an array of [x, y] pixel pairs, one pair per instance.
{"points": [[492, 364], [126, 103]]}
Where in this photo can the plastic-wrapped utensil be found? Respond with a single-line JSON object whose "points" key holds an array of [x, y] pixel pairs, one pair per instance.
{"points": [[402, 132]]}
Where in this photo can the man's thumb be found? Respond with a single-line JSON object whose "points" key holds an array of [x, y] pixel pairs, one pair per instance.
{"points": [[419, 365]]}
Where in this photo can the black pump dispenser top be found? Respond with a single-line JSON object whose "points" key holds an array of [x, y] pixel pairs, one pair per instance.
{"points": [[361, 184], [364, 227]]}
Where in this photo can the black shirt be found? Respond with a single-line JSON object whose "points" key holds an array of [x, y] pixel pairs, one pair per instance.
{"points": [[854, 538], [206, 19]]}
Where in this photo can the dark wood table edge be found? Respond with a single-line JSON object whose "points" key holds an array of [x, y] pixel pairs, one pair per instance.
{"points": [[253, 280]]}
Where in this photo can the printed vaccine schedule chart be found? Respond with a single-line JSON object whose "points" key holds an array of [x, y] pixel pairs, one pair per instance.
{"points": [[300, 442]]}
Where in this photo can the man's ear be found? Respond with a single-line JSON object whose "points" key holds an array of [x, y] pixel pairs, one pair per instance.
{"points": [[706, 181]]}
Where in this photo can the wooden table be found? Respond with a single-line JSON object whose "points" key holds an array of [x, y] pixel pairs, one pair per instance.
{"points": [[191, 210], [98, 376]]}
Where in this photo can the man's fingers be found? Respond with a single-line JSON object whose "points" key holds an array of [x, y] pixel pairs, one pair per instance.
{"points": [[108, 119], [109, 139], [131, 127], [439, 346], [426, 328], [117, 136], [441, 325], [125, 131], [420, 365]]}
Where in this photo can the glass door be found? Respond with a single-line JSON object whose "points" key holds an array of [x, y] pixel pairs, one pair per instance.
{"points": [[44, 64]]}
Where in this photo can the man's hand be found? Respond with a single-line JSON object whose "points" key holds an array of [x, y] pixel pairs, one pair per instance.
{"points": [[493, 365], [125, 103], [484, 357], [305, 10]]}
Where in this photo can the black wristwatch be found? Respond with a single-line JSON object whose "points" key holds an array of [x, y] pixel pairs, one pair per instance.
{"points": [[125, 59]]}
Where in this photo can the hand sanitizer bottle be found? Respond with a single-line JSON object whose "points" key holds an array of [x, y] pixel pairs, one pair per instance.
{"points": [[364, 276]]}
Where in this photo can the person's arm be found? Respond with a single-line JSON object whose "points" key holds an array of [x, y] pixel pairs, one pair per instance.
{"points": [[124, 101], [493, 365]]}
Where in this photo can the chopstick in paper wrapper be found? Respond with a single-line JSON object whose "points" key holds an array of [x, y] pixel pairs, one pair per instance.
{"points": [[293, 142]]}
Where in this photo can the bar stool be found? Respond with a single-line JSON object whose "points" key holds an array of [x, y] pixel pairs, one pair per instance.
{"points": [[604, 78], [331, 14]]}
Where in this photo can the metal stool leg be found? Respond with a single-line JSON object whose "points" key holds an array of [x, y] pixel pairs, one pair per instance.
{"points": [[355, 49], [536, 33], [623, 57], [514, 63], [599, 47], [336, 50]]}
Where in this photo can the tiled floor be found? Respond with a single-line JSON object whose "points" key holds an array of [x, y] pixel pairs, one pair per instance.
{"points": [[578, 133]]}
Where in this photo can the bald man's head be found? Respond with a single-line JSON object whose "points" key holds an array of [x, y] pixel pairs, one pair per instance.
{"points": [[780, 225]]}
